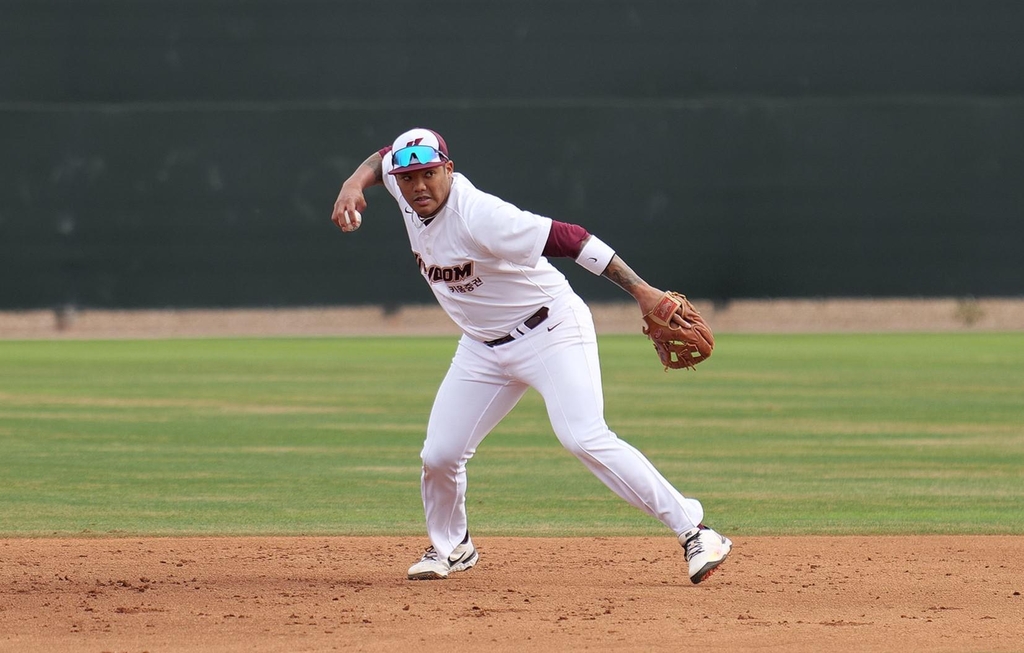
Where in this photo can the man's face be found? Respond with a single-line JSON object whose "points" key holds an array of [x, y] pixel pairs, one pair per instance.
{"points": [[426, 190]]}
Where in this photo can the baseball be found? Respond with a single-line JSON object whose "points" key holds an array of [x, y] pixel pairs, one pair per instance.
{"points": [[355, 221]]}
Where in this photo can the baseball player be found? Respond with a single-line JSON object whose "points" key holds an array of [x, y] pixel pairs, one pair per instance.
{"points": [[486, 262]]}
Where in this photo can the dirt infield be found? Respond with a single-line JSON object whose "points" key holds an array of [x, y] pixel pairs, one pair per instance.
{"points": [[527, 594]]}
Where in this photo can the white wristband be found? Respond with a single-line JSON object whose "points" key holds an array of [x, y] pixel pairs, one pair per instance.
{"points": [[595, 255]]}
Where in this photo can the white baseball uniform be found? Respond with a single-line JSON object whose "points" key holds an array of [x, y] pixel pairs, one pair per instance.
{"points": [[482, 258]]}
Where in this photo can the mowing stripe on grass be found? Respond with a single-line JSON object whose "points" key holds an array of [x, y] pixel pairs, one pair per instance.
{"points": [[783, 434]]}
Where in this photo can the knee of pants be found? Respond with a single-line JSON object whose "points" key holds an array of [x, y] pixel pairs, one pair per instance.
{"points": [[585, 443], [439, 462]]}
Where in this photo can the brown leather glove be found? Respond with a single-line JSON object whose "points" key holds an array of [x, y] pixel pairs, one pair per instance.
{"points": [[680, 335]]}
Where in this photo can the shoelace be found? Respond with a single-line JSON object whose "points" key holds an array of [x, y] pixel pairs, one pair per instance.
{"points": [[430, 554], [694, 545]]}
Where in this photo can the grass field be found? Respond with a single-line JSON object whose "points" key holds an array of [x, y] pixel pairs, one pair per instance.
{"points": [[779, 434]]}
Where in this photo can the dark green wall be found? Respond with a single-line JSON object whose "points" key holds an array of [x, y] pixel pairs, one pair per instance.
{"points": [[188, 153]]}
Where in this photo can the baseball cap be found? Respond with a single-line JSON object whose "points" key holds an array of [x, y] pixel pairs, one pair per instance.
{"points": [[418, 149]]}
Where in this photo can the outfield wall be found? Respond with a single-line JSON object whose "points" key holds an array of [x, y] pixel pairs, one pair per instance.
{"points": [[187, 153]]}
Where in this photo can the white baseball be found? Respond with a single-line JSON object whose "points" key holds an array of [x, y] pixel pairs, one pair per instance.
{"points": [[355, 221]]}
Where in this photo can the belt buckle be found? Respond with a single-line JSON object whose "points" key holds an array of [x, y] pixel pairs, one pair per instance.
{"points": [[531, 323]]}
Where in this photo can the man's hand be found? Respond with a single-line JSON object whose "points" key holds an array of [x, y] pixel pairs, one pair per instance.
{"points": [[348, 209], [647, 297]]}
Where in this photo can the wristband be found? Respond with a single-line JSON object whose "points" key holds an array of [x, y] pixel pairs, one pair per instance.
{"points": [[595, 255]]}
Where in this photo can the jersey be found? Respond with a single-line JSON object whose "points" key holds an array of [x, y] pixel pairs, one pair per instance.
{"points": [[482, 258]]}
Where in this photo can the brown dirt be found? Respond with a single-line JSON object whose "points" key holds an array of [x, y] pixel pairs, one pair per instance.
{"points": [[740, 316], [527, 594]]}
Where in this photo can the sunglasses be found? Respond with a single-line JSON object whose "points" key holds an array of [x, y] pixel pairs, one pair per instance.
{"points": [[423, 154]]}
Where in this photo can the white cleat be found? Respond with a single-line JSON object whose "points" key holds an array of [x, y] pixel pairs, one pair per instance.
{"points": [[705, 550], [432, 567]]}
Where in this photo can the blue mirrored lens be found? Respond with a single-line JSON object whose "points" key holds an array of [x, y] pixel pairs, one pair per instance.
{"points": [[422, 154]]}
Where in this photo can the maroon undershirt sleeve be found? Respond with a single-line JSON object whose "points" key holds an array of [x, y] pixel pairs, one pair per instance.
{"points": [[565, 239]]}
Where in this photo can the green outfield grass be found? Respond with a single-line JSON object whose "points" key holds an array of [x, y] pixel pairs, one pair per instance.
{"points": [[776, 434]]}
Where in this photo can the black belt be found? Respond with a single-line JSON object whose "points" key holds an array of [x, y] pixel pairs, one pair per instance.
{"points": [[530, 323]]}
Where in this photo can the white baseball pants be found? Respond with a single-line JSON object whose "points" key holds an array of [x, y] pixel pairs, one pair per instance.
{"points": [[560, 359]]}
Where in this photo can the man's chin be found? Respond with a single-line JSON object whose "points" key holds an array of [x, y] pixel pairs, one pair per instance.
{"points": [[427, 212]]}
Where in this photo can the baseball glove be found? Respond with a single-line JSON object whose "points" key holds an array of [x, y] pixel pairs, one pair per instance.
{"points": [[678, 345]]}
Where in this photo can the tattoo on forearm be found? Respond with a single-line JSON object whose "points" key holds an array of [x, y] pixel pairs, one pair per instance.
{"points": [[373, 162], [621, 274]]}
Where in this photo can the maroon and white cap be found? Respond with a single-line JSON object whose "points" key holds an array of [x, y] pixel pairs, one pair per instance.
{"points": [[411, 139]]}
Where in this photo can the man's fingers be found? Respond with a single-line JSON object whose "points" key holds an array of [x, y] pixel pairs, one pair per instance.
{"points": [[352, 220], [681, 321]]}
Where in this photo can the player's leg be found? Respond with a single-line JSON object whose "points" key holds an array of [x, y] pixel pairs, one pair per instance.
{"points": [[472, 399], [563, 366]]}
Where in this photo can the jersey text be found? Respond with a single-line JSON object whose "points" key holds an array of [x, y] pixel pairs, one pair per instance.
{"points": [[449, 274]]}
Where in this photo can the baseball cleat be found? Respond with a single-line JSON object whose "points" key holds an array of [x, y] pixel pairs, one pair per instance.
{"points": [[432, 567], [705, 550]]}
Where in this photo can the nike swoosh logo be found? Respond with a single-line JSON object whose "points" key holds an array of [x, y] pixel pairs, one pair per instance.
{"points": [[553, 327], [592, 258]]}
